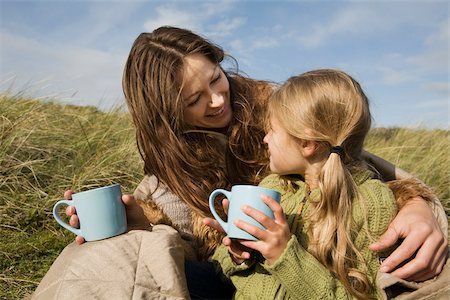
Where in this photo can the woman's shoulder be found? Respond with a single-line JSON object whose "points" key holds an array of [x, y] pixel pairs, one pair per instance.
{"points": [[151, 188]]}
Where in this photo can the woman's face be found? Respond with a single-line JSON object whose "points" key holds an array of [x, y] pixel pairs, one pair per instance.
{"points": [[206, 93], [285, 152]]}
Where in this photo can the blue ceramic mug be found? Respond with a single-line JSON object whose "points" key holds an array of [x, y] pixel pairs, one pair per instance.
{"points": [[100, 211], [243, 194]]}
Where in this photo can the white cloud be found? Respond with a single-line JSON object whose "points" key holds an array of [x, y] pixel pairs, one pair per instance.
{"points": [[433, 59], [170, 15], [225, 28], [436, 54], [391, 75], [265, 42], [433, 103], [350, 19], [439, 87], [206, 18], [365, 19], [71, 74]]}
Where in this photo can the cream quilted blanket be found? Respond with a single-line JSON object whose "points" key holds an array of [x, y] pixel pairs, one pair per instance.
{"points": [[136, 265]]}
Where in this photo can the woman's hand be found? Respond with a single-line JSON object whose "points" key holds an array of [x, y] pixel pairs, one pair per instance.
{"points": [[135, 215], [71, 212], [272, 241], [422, 235], [238, 252]]}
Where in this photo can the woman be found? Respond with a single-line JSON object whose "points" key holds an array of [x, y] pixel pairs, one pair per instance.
{"points": [[199, 128]]}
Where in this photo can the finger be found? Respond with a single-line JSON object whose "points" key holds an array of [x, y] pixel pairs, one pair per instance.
{"points": [[275, 207], [226, 205], [79, 240], [254, 245], [388, 239], [70, 210], [74, 221], [262, 219], [235, 248], [68, 195], [422, 276], [252, 229], [406, 249], [420, 268], [439, 259], [128, 200], [213, 224]]}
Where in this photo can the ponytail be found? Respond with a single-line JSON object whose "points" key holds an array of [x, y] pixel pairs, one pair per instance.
{"points": [[331, 222]]}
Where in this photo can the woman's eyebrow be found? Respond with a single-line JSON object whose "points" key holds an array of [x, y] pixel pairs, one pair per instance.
{"points": [[212, 77]]}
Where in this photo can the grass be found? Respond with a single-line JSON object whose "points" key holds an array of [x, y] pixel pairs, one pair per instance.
{"points": [[47, 148]]}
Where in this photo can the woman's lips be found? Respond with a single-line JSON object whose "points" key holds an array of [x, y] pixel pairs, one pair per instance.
{"points": [[219, 113]]}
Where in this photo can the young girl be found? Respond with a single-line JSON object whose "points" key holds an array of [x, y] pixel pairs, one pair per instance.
{"points": [[332, 206]]}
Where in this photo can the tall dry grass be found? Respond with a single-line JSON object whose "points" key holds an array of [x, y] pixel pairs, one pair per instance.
{"points": [[47, 148]]}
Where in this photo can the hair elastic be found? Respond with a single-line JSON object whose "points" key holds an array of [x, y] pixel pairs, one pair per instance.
{"points": [[338, 150]]}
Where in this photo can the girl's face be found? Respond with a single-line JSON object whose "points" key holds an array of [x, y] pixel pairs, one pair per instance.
{"points": [[285, 151], [206, 93]]}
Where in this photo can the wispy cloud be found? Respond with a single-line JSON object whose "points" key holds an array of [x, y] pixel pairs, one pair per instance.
{"points": [[206, 18], [72, 74], [171, 15], [435, 56]]}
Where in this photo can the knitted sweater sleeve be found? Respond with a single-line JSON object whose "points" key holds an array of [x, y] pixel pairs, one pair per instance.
{"points": [[223, 261], [296, 265]]}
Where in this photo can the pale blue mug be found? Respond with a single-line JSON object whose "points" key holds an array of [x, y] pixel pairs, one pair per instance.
{"points": [[243, 194], [101, 213]]}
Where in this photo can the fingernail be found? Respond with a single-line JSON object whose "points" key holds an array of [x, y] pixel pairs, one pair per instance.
{"points": [[244, 207]]}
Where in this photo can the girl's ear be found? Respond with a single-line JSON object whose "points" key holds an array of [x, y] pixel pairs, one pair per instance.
{"points": [[309, 148]]}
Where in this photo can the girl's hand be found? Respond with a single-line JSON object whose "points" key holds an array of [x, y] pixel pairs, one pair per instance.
{"points": [[237, 252], [135, 215], [272, 241], [422, 235]]}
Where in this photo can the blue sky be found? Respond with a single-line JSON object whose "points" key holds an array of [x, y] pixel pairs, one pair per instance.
{"points": [[74, 51]]}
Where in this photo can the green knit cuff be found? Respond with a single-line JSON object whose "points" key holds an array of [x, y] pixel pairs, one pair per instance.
{"points": [[226, 263], [290, 255]]}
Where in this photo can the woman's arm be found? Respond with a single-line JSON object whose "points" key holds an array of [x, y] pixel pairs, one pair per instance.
{"points": [[386, 169], [424, 234]]}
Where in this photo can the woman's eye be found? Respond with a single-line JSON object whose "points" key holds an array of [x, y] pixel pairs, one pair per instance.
{"points": [[194, 102], [217, 78]]}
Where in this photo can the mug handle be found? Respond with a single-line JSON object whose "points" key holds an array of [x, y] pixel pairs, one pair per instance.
{"points": [[58, 218], [212, 197]]}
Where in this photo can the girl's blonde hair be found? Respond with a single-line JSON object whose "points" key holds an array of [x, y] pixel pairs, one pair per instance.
{"points": [[329, 107], [191, 164]]}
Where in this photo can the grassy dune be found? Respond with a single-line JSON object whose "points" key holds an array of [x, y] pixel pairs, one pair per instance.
{"points": [[47, 148]]}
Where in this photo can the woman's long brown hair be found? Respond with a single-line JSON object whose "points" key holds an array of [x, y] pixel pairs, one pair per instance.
{"points": [[191, 164]]}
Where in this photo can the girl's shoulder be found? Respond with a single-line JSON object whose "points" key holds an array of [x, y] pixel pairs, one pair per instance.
{"points": [[376, 204], [283, 184]]}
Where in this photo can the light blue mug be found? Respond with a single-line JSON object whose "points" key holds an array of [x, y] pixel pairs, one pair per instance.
{"points": [[240, 195], [100, 211]]}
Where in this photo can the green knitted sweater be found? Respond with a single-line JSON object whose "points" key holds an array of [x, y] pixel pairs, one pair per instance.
{"points": [[297, 274]]}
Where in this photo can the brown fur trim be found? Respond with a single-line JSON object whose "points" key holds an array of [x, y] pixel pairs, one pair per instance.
{"points": [[407, 189], [154, 214], [208, 238]]}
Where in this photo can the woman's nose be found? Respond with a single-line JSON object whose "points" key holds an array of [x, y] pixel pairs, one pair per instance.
{"points": [[216, 99]]}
